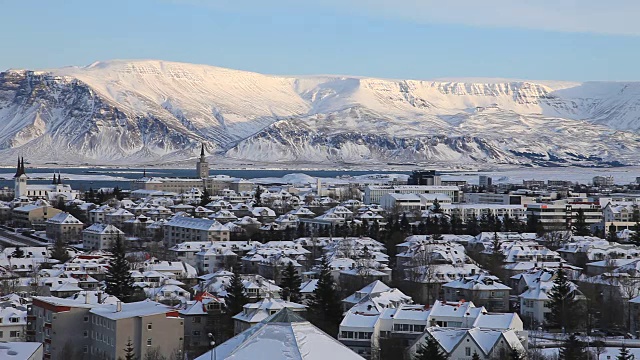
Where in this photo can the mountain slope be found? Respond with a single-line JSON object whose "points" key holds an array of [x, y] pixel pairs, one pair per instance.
{"points": [[132, 112]]}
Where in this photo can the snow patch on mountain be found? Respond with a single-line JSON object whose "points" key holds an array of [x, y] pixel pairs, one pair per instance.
{"points": [[142, 111]]}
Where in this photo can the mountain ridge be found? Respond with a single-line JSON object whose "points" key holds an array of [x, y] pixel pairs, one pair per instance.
{"points": [[151, 111]]}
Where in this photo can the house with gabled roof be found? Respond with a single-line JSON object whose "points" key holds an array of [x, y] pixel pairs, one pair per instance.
{"points": [[461, 344]]}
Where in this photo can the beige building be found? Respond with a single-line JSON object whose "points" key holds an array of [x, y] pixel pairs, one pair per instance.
{"points": [[64, 226], [71, 328], [34, 215]]}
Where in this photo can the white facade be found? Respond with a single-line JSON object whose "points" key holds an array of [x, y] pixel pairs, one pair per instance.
{"points": [[373, 193], [100, 236]]}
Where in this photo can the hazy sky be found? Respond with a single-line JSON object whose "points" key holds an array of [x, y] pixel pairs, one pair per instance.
{"points": [[420, 39]]}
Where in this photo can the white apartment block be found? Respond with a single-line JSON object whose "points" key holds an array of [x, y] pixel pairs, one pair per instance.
{"points": [[411, 202], [373, 193], [100, 236], [561, 214], [470, 211]]}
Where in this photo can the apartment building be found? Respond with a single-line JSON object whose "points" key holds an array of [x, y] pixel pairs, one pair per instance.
{"points": [[476, 211], [561, 214], [373, 193], [13, 323], [411, 202], [149, 325], [483, 289], [86, 330], [493, 198], [64, 227], [100, 236], [180, 229], [33, 214]]}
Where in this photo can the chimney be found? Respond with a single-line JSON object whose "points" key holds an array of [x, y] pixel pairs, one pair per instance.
{"points": [[99, 297], [86, 297], [119, 306]]}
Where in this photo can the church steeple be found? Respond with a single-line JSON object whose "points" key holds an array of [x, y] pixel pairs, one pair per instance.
{"points": [[59, 179], [54, 181], [20, 168], [202, 166]]}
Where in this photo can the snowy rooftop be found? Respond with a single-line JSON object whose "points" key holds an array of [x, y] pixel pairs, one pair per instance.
{"points": [[284, 335]]}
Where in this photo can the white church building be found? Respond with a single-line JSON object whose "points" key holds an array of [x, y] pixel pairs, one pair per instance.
{"points": [[50, 192]]}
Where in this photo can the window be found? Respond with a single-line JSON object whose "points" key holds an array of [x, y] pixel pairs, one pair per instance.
{"points": [[85, 333], [467, 351], [1, 334], [86, 319], [14, 320], [14, 334], [149, 326], [149, 342]]}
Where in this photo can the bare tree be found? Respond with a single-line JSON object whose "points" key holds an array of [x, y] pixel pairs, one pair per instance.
{"points": [[154, 353]]}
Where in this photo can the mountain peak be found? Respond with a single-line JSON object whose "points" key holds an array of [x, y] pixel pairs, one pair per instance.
{"points": [[135, 111]]}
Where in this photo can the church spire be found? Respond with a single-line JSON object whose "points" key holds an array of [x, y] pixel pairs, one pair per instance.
{"points": [[54, 179], [20, 168], [202, 151], [59, 178]]}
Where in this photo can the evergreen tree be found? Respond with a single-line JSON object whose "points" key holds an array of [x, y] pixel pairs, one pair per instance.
{"points": [[235, 301], [18, 252], [612, 235], [533, 224], [204, 199], [436, 208], [118, 280], [473, 228], [634, 238], [580, 227], [290, 284], [475, 356], [59, 251], [507, 223], [456, 224], [625, 354], [430, 351], [257, 196], [236, 296], [129, 351], [562, 303], [324, 307], [404, 222], [496, 258], [573, 349], [445, 226]]}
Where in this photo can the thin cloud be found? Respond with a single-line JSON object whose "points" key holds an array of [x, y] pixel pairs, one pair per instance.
{"points": [[616, 17]]}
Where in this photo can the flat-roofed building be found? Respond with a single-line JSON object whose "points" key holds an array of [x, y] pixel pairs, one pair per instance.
{"points": [[373, 193]]}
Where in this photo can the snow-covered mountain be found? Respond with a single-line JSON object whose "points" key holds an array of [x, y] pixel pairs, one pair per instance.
{"points": [[133, 112]]}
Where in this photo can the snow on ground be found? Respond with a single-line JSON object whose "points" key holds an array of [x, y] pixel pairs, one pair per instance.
{"points": [[609, 354]]}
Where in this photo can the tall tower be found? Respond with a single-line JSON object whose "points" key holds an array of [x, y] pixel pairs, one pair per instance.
{"points": [[20, 180], [202, 166]]}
